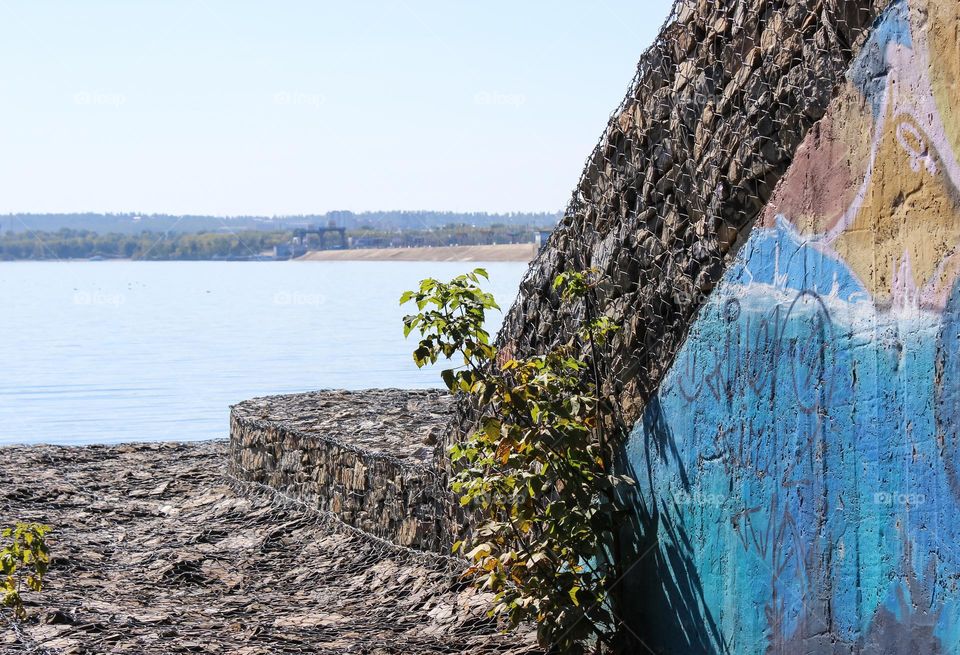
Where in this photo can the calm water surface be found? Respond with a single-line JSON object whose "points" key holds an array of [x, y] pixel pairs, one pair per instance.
{"points": [[100, 352]]}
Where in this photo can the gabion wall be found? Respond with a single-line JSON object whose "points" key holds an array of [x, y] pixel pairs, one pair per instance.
{"points": [[687, 163], [362, 457]]}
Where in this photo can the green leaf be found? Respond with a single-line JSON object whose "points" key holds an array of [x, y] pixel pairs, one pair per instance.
{"points": [[531, 470], [449, 378], [491, 428]]}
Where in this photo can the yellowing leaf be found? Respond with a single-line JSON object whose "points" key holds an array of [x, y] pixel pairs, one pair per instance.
{"points": [[481, 551]]}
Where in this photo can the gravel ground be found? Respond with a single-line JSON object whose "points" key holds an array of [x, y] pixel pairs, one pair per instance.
{"points": [[156, 550]]}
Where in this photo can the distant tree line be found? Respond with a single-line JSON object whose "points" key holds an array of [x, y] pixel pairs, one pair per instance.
{"points": [[69, 243], [86, 244], [448, 235], [131, 223]]}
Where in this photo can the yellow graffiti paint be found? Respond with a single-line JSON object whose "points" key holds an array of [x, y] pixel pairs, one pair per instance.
{"points": [[909, 220], [883, 191], [944, 64]]}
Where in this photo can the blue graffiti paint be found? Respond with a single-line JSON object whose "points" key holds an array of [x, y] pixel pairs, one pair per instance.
{"points": [[784, 259], [797, 464], [869, 73]]}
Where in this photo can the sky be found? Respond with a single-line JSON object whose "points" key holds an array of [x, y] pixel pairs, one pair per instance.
{"points": [[230, 107]]}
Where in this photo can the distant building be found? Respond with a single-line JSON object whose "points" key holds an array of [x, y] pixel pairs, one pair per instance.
{"points": [[289, 250]]}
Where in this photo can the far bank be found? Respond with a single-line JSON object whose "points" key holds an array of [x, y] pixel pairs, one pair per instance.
{"points": [[516, 252]]}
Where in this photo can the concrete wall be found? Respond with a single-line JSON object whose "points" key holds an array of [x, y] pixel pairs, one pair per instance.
{"points": [[798, 466]]}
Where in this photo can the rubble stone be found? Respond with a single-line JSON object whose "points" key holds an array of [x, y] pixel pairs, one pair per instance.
{"points": [[156, 549], [365, 456]]}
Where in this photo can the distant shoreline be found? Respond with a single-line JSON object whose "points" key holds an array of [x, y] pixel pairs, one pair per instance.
{"points": [[514, 252], [517, 252]]}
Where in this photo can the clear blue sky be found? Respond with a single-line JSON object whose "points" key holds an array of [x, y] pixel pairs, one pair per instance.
{"points": [[280, 107]]}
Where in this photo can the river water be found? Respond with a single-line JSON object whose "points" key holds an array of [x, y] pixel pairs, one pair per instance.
{"points": [[106, 352]]}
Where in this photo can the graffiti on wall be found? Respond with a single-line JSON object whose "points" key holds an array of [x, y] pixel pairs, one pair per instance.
{"points": [[799, 469]]}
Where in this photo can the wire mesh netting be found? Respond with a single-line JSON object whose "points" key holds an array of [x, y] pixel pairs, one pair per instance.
{"points": [[688, 161]]}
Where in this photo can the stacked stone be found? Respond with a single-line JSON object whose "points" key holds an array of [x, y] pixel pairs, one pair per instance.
{"points": [[710, 124], [366, 457]]}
